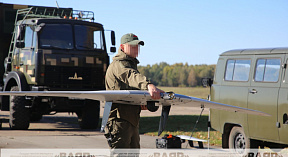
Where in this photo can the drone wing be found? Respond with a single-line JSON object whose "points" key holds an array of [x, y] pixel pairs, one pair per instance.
{"points": [[137, 97]]}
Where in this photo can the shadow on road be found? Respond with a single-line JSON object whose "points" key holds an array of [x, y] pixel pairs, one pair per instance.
{"points": [[51, 123], [147, 124], [175, 123]]}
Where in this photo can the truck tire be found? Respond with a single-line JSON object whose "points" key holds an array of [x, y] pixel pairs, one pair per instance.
{"points": [[88, 117], [35, 117], [19, 115]]}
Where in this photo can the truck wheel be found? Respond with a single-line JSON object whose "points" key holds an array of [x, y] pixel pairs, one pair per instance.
{"points": [[88, 117], [35, 117], [19, 115]]}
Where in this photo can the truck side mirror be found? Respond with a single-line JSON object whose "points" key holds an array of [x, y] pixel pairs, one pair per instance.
{"points": [[113, 38], [113, 42], [112, 49], [207, 82], [20, 44]]}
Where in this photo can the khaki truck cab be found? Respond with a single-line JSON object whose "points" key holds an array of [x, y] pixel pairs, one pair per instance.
{"points": [[255, 79], [51, 49]]}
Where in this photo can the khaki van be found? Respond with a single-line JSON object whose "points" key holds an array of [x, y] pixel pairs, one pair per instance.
{"points": [[255, 79]]}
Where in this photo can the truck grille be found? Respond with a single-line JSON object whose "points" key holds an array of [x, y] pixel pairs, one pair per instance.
{"points": [[76, 78]]}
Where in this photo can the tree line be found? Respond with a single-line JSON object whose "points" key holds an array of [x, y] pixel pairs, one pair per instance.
{"points": [[177, 75]]}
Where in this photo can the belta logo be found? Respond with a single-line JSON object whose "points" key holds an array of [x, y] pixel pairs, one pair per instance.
{"points": [[75, 77]]}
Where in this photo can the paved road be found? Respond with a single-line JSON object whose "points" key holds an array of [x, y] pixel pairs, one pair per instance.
{"points": [[62, 131], [58, 132]]}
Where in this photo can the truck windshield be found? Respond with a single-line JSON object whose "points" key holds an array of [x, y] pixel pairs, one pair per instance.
{"points": [[60, 36], [88, 38], [56, 36]]}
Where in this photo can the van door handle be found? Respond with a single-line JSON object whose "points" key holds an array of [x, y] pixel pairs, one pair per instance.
{"points": [[253, 91]]}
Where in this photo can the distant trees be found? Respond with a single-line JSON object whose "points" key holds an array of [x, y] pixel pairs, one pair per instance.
{"points": [[178, 74]]}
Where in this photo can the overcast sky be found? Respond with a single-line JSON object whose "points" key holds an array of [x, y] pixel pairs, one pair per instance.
{"points": [[188, 31]]}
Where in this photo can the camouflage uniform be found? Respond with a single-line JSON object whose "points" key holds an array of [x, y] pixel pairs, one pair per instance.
{"points": [[123, 122]]}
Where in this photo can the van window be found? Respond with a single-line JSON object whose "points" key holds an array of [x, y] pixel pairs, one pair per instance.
{"points": [[237, 70], [267, 70]]}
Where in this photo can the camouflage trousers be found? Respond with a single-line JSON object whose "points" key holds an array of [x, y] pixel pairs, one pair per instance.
{"points": [[122, 134]]}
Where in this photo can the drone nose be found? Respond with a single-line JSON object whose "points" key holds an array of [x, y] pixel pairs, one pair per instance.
{"points": [[168, 95]]}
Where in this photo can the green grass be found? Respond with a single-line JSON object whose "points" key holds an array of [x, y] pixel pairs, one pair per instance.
{"points": [[198, 92], [182, 125]]}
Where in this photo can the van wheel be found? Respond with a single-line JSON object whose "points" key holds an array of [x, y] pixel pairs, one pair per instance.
{"points": [[238, 140], [88, 117], [19, 115]]}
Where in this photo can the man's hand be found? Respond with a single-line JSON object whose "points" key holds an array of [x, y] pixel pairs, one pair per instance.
{"points": [[154, 92]]}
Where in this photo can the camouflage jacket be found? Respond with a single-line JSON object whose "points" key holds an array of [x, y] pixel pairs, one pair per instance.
{"points": [[122, 74]]}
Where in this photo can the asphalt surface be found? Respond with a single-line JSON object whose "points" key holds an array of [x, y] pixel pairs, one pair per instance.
{"points": [[62, 131]]}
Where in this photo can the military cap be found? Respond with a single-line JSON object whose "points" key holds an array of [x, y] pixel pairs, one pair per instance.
{"points": [[131, 39]]}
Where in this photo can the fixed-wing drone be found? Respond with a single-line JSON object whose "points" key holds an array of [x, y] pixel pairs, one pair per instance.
{"points": [[138, 97]]}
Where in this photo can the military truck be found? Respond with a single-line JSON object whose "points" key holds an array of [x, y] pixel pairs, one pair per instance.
{"points": [[48, 48], [255, 79]]}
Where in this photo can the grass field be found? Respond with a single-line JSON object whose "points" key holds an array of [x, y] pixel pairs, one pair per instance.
{"points": [[199, 92], [182, 125]]}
